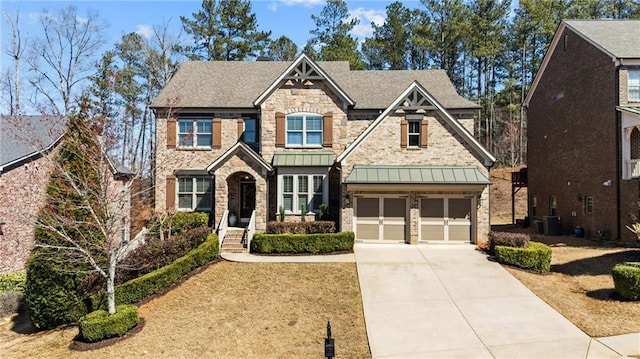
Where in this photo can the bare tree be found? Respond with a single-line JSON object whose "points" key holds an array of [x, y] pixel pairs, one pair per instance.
{"points": [[15, 50], [64, 56]]}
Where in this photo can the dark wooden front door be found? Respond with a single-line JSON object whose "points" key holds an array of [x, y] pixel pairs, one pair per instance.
{"points": [[247, 199]]}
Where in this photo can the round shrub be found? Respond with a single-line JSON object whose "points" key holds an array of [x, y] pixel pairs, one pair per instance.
{"points": [[626, 279], [53, 292], [13, 281], [99, 325], [535, 256], [507, 239]]}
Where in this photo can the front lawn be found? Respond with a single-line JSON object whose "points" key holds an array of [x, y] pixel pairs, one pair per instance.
{"points": [[232, 310], [580, 285]]}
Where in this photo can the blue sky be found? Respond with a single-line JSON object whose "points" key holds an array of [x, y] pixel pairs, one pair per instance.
{"points": [[291, 18]]}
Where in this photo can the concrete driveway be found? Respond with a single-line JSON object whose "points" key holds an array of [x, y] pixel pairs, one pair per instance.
{"points": [[450, 301]]}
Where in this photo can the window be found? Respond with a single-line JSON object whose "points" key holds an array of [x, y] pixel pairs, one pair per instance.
{"points": [[634, 85], [588, 204], [304, 130], [534, 206], [302, 190], [194, 133], [553, 206], [194, 193], [414, 133]]}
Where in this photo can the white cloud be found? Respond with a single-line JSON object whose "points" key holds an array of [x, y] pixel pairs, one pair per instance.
{"points": [[366, 17], [305, 3], [273, 6], [81, 20], [144, 30], [38, 15]]}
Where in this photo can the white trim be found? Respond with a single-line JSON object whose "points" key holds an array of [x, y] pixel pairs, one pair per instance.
{"points": [[471, 222], [415, 85], [194, 194], [381, 221], [41, 152], [304, 131], [294, 64]]}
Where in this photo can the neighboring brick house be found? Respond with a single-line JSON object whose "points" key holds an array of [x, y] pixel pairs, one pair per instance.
{"points": [[583, 114], [390, 153], [28, 146]]}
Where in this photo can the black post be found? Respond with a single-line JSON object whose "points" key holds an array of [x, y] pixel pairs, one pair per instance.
{"points": [[329, 346]]}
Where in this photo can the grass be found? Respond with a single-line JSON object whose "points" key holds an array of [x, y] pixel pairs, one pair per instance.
{"points": [[232, 310], [580, 285]]}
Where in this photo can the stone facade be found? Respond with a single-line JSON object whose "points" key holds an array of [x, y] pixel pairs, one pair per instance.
{"points": [[574, 143], [445, 147]]}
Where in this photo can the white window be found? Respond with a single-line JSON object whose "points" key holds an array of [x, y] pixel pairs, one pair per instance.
{"points": [[414, 134], [588, 204], [304, 130], [634, 85], [194, 133], [302, 192], [194, 193]]}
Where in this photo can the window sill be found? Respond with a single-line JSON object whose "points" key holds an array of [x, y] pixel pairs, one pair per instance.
{"points": [[195, 148], [314, 147], [413, 148]]}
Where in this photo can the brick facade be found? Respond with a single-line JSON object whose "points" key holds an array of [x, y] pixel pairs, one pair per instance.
{"points": [[23, 191], [574, 149]]}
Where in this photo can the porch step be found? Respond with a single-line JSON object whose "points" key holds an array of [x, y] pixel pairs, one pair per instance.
{"points": [[233, 241]]}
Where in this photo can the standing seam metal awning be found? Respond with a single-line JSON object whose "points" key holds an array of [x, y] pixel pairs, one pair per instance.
{"points": [[303, 159], [416, 175]]}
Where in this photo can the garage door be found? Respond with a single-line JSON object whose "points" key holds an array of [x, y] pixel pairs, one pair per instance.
{"points": [[445, 219], [380, 218]]}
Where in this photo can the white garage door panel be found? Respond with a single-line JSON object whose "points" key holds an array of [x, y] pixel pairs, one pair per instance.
{"points": [[381, 218], [445, 219]]}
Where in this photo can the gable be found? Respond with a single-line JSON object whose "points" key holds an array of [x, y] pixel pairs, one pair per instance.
{"points": [[385, 132], [306, 71]]}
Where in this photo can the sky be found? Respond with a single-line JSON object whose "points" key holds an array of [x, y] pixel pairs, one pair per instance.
{"points": [[291, 18]]}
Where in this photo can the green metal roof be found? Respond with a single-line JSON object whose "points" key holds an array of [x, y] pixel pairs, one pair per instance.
{"points": [[303, 159], [416, 175]]}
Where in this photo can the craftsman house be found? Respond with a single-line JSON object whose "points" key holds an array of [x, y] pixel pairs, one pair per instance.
{"points": [[583, 113], [389, 153]]}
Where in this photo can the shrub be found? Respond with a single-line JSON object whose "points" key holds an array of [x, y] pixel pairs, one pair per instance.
{"points": [[626, 279], [535, 256], [274, 227], [302, 243], [13, 281], [184, 221], [10, 302], [53, 291], [155, 282], [507, 239], [156, 254], [100, 325]]}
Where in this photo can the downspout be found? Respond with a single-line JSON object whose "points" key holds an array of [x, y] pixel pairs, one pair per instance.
{"points": [[618, 154]]}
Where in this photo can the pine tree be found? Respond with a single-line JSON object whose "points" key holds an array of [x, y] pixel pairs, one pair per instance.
{"points": [[390, 45], [224, 31], [331, 35]]}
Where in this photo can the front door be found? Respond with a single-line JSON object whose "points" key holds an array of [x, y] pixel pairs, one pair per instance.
{"points": [[247, 199]]}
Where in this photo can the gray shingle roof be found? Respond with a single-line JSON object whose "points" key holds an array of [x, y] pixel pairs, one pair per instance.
{"points": [[25, 136], [236, 84], [621, 38], [416, 175]]}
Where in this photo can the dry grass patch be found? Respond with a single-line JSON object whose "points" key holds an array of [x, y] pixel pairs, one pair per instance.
{"points": [[233, 310], [580, 285]]}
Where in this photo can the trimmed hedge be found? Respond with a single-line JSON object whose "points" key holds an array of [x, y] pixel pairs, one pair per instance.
{"points": [[184, 221], [508, 239], [312, 227], [155, 282], [626, 279], [535, 256], [13, 281], [99, 325], [302, 243]]}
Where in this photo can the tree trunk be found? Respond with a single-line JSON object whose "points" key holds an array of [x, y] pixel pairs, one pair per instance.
{"points": [[111, 293]]}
